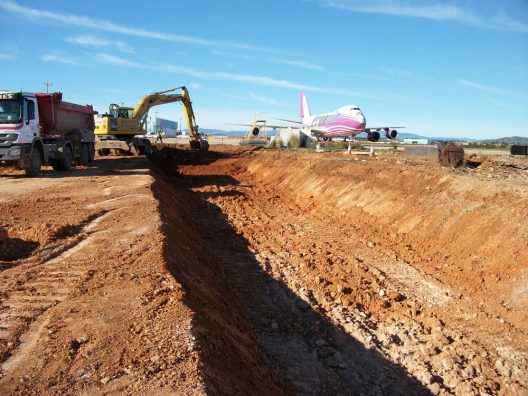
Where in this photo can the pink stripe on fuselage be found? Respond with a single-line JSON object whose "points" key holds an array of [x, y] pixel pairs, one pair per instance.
{"points": [[342, 126]]}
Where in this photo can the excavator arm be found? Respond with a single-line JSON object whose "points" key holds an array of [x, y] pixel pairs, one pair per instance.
{"points": [[163, 97]]}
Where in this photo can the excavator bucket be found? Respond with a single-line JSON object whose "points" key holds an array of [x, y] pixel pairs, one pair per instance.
{"points": [[201, 145]]}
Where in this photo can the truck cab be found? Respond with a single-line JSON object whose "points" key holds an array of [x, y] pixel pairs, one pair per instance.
{"points": [[18, 123]]}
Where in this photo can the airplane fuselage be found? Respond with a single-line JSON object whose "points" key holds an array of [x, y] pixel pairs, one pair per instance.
{"points": [[345, 121]]}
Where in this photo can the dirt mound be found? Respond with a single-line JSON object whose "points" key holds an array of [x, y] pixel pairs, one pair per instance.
{"points": [[402, 257], [244, 271]]}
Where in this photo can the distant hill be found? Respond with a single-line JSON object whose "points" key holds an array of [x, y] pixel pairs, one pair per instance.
{"points": [[507, 140], [401, 135], [407, 135], [219, 132]]}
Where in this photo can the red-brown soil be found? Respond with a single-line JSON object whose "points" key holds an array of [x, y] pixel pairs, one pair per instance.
{"points": [[264, 272]]}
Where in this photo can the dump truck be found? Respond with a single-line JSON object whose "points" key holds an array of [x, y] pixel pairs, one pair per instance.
{"points": [[41, 129], [123, 129]]}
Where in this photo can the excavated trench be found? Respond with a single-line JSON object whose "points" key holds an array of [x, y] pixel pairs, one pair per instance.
{"points": [[255, 335], [328, 275]]}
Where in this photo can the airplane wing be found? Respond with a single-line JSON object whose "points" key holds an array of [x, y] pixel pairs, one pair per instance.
{"points": [[371, 129], [228, 123], [284, 119], [260, 125]]}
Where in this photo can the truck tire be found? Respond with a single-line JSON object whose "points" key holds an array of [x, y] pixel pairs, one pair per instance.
{"points": [[91, 152], [36, 163], [65, 163], [84, 158]]}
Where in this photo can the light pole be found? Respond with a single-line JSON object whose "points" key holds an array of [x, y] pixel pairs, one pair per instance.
{"points": [[47, 84], [180, 126]]}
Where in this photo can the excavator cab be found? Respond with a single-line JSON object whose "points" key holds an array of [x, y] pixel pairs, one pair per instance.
{"points": [[117, 111]]}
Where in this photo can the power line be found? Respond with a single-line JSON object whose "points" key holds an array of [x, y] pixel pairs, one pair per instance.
{"points": [[47, 84]]}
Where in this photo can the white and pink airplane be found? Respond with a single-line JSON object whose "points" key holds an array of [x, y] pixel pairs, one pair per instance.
{"points": [[347, 121]]}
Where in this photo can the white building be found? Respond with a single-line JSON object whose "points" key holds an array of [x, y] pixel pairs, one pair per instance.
{"points": [[169, 127], [416, 141]]}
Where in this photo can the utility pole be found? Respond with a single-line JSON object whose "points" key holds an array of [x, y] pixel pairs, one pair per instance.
{"points": [[47, 84]]}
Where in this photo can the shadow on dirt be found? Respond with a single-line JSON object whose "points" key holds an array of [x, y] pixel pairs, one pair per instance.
{"points": [[124, 165], [254, 334], [14, 248], [100, 166]]}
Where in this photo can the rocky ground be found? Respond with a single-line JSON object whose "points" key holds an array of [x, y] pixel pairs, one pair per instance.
{"points": [[265, 272]]}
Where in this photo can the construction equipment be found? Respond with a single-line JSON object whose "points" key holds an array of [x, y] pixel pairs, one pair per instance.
{"points": [[41, 129], [123, 128]]}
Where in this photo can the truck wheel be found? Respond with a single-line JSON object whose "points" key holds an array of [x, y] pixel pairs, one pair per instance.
{"points": [[36, 163], [91, 152], [64, 164], [84, 158]]}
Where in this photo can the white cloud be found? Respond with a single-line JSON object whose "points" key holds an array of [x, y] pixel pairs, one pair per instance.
{"points": [[9, 52], [59, 58], [291, 62], [434, 10], [194, 85], [397, 72], [248, 78], [296, 63], [488, 88], [94, 41], [406, 8], [506, 23], [268, 101], [85, 22]]}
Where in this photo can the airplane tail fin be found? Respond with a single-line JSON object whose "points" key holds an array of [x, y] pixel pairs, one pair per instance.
{"points": [[305, 111]]}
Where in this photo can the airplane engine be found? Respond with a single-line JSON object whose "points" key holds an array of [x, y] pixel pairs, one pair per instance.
{"points": [[373, 136], [255, 131], [391, 133]]}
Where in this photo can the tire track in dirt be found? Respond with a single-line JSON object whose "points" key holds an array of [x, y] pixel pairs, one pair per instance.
{"points": [[23, 309]]}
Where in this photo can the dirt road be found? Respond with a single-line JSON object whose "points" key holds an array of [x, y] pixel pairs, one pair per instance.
{"points": [[258, 272]]}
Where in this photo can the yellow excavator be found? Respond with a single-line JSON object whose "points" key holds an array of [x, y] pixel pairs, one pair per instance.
{"points": [[123, 128]]}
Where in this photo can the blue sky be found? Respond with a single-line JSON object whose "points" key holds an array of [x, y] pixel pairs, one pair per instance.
{"points": [[441, 68]]}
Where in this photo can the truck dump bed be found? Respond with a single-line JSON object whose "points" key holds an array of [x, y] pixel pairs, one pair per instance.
{"points": [[57, 116]]}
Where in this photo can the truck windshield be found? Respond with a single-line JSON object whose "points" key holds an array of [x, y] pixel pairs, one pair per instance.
{"points": [[10, 111]]}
